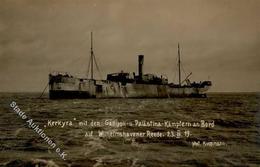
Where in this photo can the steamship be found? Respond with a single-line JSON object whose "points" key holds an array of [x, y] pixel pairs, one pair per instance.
{"points": [[123, 84]]}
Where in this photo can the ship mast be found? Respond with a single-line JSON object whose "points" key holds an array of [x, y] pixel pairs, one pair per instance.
{"points": [[91, 57], [92, 60], [179, 64]]}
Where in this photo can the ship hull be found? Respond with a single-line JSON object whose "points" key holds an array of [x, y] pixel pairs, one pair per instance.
{"points": [[86, 95], [64, 87], [62, 94]]}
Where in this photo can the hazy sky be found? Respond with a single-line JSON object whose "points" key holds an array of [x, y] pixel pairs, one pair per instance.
{"points": [[220, 39]]}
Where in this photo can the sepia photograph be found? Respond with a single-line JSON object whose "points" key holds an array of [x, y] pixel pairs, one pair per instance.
{"points": [[129, 83]]}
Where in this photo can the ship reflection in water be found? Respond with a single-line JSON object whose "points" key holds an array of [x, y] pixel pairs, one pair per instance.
{"points": [[124, 85]]}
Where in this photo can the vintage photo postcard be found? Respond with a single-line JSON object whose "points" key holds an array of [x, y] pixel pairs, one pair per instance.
{"points": [[129, 83]]}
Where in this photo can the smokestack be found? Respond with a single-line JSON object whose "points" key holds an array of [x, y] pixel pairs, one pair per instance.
{"points": [[140, 65]]}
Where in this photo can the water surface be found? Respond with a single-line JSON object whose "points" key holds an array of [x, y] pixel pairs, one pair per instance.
{"points": [[236, 117]]}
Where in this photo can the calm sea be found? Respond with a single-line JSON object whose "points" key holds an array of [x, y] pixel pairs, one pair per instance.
{"points": [[234, 139]]}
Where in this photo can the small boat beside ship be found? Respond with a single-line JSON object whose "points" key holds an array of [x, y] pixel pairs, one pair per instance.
{"points": [[124, 84]]}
